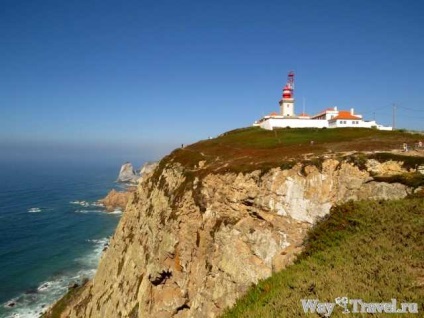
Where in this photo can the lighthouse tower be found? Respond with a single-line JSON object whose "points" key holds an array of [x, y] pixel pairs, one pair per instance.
{"points": [[287, 99]]}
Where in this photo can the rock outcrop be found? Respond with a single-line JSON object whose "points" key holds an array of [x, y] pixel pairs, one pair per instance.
{"points": [[117, 199], [190, 244], [127, 174]]}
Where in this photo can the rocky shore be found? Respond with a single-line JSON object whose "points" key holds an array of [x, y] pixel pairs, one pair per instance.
{"points": [[117, 200]]}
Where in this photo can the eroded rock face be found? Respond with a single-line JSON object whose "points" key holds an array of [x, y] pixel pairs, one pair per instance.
{"points": [[127, 173], [190, 247], [148, 168], [387, 168]]}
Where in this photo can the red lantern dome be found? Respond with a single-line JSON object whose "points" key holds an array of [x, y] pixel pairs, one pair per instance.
{"points": [[287, 92]]}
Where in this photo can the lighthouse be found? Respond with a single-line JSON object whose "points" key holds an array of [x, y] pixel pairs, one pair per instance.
{"points": [[287, 99]]}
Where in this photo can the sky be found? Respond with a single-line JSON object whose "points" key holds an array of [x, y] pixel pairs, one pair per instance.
{"points": [[132, 80]]}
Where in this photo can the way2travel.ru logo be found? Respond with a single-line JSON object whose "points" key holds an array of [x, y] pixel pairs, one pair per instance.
{"points": [[357, 306]]}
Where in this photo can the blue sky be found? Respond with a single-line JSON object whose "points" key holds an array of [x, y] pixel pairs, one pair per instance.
{"points": [[135, 79]]}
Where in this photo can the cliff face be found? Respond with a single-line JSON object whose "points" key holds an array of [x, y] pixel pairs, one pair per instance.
{"points": [[189, 246]]}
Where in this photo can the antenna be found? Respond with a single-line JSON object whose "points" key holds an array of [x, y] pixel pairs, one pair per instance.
{"points": [[303, 106]]}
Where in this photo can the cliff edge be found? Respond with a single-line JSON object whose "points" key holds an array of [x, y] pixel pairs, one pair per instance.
{"points": [[220, 215]]}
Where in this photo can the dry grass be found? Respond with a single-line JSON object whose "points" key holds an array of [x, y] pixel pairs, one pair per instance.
{"points": [[253, 148]]}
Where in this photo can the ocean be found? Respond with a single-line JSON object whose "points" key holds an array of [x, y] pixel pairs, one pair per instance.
{"points": [[52, 231]]}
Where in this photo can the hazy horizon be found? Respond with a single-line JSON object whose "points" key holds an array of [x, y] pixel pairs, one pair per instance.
{"points": [[131, 79]]}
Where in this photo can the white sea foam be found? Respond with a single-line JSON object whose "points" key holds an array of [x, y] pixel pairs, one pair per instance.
{"points": [[81, 203], [98, 204], [87, 204], [92, 259], [117, 211], [33, 303], [89, 211], [34, 210]]}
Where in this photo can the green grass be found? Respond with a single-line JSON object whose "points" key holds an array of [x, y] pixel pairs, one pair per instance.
{"points": [[248, 149], [372, 250]]}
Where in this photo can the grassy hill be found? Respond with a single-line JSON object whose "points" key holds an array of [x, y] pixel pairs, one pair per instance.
{"points": [[366, 250], [251, 148]]}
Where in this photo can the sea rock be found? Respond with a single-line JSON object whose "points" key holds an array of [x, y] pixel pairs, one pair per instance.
{"points": [[127, 174], [117, 199], [190, 246], [73, 285], [10, 304]]}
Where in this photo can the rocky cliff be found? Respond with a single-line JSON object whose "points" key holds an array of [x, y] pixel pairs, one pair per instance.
{"points": [[192, 240]]}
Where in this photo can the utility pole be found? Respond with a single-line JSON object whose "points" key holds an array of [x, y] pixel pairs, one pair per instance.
{"points": [[394, 116]]}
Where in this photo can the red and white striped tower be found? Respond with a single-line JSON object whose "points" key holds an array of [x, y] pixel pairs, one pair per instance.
{"points": [[287, 99]]}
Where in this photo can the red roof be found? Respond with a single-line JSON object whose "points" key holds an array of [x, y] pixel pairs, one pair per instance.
{"points": [[330, 109], [345, 114], [273, 114]]}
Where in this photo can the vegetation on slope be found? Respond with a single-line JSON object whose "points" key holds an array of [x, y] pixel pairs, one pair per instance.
{"points": [[369, 250], [248, 149], [252, 148]]}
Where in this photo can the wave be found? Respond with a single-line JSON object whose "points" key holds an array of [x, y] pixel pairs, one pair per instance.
{"points": [[38, 210], [81, 203], [34, 302], [34, 210], [87, 204], [92, 260], [114, 212], [89, 211]]}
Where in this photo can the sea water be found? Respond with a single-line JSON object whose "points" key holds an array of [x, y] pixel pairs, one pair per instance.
{"points": [[52, 231]]}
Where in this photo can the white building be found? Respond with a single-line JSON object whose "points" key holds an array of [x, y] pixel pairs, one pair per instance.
{"points": [[328, 118]]}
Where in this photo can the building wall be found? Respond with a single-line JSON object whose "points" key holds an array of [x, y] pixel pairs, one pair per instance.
{"points": [[279, 122], [287, 107], [270, 123]]}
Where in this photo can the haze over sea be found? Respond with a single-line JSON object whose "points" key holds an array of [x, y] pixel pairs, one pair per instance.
{"points": [[48, 237]]}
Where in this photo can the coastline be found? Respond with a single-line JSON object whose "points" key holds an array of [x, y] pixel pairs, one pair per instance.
{"points": [[34, 302], [53, 233]]}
